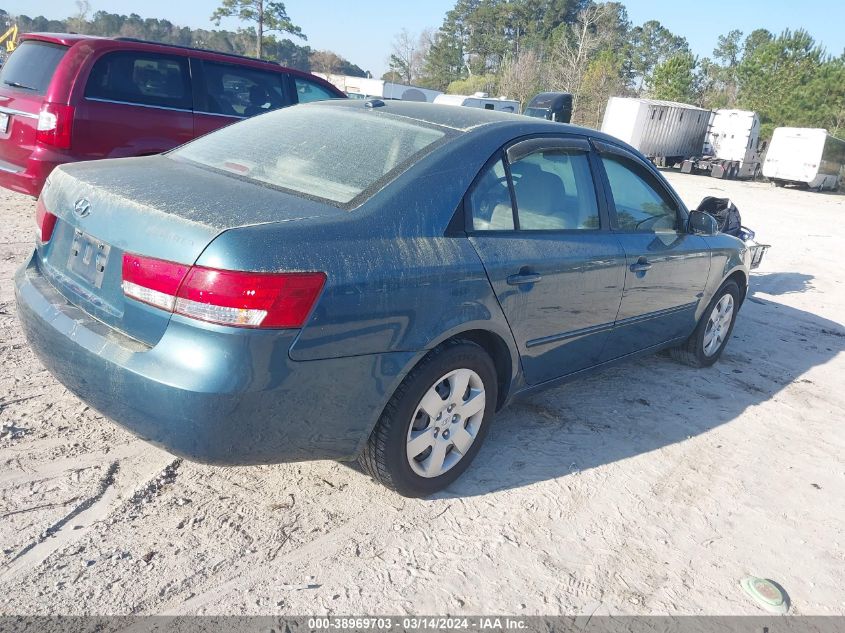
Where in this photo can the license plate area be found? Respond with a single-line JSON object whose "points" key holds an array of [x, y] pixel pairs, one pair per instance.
{"points": [[4, 122], [88, 258]]}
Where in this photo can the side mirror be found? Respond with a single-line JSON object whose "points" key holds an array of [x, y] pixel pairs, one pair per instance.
{"points": [[701, 223]]}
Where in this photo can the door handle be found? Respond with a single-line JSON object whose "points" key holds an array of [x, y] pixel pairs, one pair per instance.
{"points": [[523, 278], [641, 266]]}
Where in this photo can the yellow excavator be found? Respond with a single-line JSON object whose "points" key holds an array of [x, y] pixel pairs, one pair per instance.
{"points": [[10, 37]]}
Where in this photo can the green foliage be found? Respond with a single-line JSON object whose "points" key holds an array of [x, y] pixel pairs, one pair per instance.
{"points": [[651, 45], [241, 42], [267, 15], [473, 84], [675, 79], [790, 80]]}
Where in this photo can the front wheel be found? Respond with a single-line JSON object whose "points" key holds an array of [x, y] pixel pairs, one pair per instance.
{"points": [[707, 342], [435, 423]]}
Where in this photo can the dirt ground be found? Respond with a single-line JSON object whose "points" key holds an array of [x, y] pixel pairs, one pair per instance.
{"points": [[649, 489]]}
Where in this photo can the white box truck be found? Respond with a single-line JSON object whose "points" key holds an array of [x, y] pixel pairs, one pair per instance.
{"points": [[806, 156], [665, 131], [731, 146], [364, 87], [480, 100]]}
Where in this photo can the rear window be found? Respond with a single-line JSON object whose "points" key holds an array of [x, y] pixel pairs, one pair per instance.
{"points": [[321, 152], [32, 65]]}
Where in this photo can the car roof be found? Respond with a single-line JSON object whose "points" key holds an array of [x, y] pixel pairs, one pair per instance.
{"points": [[465, 119], [69, 39]]}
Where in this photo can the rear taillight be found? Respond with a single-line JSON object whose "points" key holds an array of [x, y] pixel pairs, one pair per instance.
{"points": [[55, 122], [152, 281], [225, 297], [45, 221]]}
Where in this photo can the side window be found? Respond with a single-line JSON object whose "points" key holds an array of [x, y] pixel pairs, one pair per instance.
{"points": [[555, 191], [241, 91], [641, 204], [142, 78], [489, 200], [308, 91]]}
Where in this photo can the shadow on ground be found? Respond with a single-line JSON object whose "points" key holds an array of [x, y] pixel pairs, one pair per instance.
{"points": [[654, 402], [782, 283]]}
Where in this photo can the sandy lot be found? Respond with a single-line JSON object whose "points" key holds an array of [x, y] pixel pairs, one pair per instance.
{"points": [[651, 488]]}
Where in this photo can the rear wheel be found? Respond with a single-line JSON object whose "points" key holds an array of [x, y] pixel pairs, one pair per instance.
{"points": [[435, 423], [707, 342]]}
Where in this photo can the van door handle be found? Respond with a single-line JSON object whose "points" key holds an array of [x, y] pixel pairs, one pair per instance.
{"points": [[641, 266], [523, 278]]}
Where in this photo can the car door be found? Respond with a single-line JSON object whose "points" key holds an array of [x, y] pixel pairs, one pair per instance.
{"points": [[540, 230], [666, 266], [226, 93], [135, 103]]}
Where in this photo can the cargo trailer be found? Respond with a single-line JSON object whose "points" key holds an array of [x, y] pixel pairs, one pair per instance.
{"points": [[665, 131], [480, 100], [731, 147], [365, 87], [806, 156]]}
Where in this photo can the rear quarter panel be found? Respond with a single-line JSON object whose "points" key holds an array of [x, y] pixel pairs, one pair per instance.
{"points": [[395, 282]]}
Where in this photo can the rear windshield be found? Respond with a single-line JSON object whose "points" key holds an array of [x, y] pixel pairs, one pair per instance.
{"points": [[31, 66], [327, 153]]}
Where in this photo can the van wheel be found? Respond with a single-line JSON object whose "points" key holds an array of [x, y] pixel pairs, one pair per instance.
{"points": [[708, 341], [434, 424]]}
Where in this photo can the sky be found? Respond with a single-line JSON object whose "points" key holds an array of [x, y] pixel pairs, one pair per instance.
{"points": [[362, 30]]}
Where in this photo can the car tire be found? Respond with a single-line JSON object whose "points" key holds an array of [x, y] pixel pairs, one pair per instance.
{"points": [[386, 455], [707, 342]]}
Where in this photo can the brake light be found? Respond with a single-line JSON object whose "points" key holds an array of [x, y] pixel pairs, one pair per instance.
{"points": [[225, 297], [45, 221], [55, 122], [152, 281]]}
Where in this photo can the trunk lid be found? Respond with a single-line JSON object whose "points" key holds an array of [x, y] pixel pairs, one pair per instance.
{"points": [[154, 207], [24, 80]]}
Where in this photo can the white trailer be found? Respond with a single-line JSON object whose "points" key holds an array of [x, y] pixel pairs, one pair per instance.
{"points": [[665, 131], [479, 100], [364, 87], [808, 156], [731, 146]]}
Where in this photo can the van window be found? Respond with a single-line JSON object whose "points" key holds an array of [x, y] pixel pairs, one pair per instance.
{"points": [[142, 78], [241, 91], [308, 91], [32, 65]]}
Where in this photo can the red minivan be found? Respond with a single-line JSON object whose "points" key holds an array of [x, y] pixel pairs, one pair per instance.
{"points": [[66, 98]]}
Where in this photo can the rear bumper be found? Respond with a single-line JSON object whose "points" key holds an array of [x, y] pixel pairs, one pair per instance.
{"points": [[29, 178], [210, 394]]}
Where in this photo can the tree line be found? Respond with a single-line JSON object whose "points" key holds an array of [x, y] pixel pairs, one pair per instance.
{"points": [[241, 42], [591, 49]]}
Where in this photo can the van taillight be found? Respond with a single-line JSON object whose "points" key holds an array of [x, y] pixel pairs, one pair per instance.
{"points": [[225, 297], [45, 221], [55, 122]]}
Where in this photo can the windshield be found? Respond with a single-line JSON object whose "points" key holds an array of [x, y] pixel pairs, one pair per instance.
{"points": [[31, 66], [323, 152], [537, 113]]}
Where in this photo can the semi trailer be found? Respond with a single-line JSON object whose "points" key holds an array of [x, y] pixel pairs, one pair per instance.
{"points": [[732, 147], [667, 132]]}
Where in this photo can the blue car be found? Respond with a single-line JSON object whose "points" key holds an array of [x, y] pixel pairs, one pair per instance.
{"points": [[365, 281]]}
